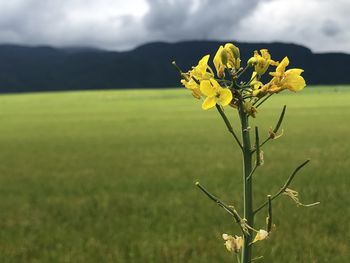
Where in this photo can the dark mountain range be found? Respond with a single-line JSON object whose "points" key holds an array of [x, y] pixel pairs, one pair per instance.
{"points": [[24, 69]]}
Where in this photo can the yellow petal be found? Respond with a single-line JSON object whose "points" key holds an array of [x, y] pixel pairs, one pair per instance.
{"points": [[253, 75], [207, 89], [265, 54], [274, 74], [208, 103], [282, 65], [295, 82], [255, 92], [215, 84], [294, 71], [225, 97], [200, 70], [256, 84], [191, 84], [273, 63], [203, 63], [273, 88], [196, 93], [217, 57]]}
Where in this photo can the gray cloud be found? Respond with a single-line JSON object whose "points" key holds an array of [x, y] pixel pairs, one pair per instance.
{"points": [[66, 23], [186, 19], [321, 25], [331, 28]]}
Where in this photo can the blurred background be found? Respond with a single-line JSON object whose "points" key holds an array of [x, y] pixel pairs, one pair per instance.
{"points": [[100, 148]]}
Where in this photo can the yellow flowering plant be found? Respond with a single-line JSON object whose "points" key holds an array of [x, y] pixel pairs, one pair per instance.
{"points": [[227, 88]]}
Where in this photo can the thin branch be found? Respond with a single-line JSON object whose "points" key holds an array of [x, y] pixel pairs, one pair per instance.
{"points": [[242, 72], [228, 125], [176, 67], [278, 125], [284, 187], [252, 172], [227, 208], [261, 102], [258, 258]]}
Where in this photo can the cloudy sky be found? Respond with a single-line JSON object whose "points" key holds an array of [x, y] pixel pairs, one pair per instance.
{"points": [[322, 25]]}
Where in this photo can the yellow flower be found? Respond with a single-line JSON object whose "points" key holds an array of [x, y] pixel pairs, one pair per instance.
{"points": [[261, 62], [214, 94], [227, 56], [261, 235], [233, 244], [283, 79], [200, 71], [192, 79]]}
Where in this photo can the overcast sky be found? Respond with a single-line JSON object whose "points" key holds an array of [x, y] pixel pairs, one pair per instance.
{"points": [[322, 25]]}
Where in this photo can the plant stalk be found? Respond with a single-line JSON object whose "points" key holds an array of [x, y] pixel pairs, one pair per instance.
{"points": [[247, 185]]}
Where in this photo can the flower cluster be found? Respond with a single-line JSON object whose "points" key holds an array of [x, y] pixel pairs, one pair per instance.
{"points": [[226, 86], [200, 80]]}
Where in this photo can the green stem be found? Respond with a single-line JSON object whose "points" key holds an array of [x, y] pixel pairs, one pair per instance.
{"points": [[269, 214], [247, 185]]}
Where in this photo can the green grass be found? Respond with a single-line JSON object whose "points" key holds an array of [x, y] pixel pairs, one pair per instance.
{"points": [[109, 177]]}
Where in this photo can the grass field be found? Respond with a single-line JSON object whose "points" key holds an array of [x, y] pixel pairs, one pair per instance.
{"points": [[109, 177]]}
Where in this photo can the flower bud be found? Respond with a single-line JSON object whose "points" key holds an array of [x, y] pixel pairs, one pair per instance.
{"points": [[234, 50], [261, 61], [234, 55], [252, 61], [219, 65], [224, 58]]}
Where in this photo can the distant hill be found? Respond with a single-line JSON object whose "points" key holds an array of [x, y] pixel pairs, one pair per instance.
{"points": [[24, 69]]}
